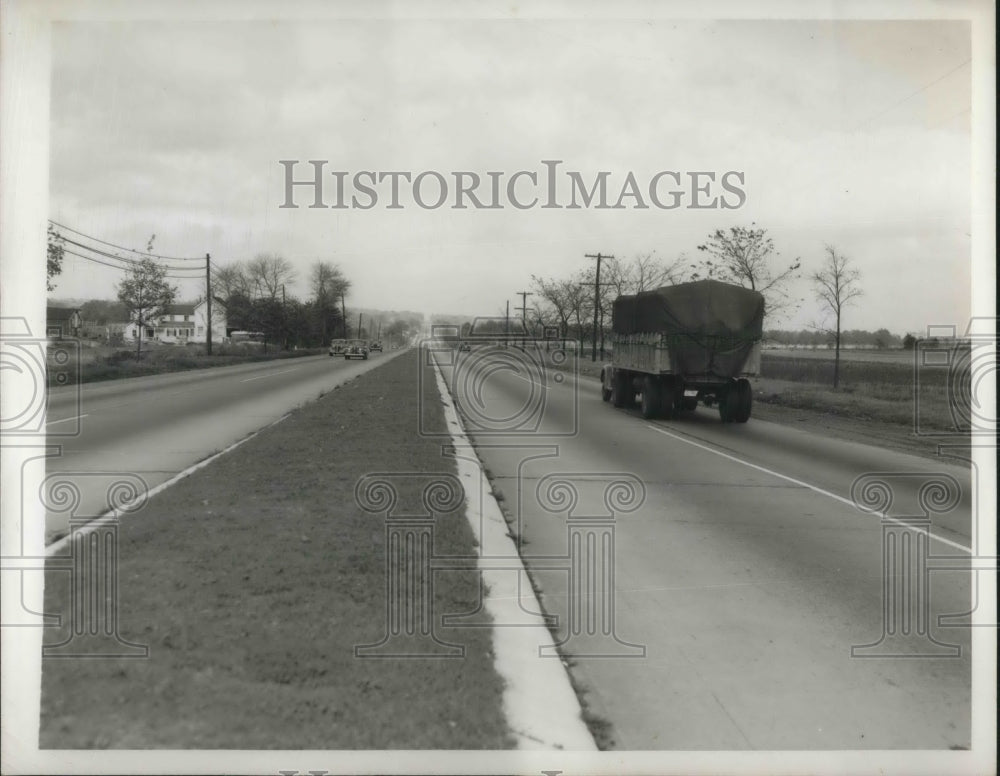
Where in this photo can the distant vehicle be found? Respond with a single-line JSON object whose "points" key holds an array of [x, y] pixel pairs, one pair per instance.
{"points": [[337, 347], [375, 346], [682, 345], [356, 349], [464, 346]]}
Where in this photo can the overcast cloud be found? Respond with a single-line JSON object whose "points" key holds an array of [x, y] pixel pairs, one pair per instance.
{"points": [[855, 134]]}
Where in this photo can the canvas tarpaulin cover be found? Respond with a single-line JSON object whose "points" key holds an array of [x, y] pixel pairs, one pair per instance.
{"points": [[709, 326]]}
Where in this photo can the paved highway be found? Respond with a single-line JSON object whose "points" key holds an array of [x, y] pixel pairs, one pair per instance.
{"points": [[149, 429], [743, 573]]}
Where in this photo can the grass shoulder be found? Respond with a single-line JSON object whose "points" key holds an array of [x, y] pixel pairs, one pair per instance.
{"points": [[87, 363], [875, 402]]}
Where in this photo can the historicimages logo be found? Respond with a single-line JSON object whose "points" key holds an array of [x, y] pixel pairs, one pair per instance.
{"points": [[546, 188]]}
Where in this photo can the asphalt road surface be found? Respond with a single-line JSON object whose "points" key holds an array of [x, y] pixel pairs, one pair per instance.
{"points": [[144, 431], [746, 582]]}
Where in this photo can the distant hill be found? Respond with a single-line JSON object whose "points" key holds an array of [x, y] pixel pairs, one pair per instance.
{"points": [[386, 315], [67, 302]]}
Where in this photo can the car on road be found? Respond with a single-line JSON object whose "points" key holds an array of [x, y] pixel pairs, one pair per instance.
{"points": [[464, 346], [375, 346], [337, 347], [357, 348]]}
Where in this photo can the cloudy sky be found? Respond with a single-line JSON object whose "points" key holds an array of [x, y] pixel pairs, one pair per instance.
{"points": [[849, 133]]}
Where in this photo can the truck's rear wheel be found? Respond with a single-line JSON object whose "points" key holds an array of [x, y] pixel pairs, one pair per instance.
{"points": [[668, 399], [652, 400], [726, 401], [744, 401], [621, 385]]}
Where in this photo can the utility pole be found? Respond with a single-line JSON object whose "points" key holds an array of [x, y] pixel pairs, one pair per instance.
{"points": [[506, 324], [343, 315], [284, 319], [524, 313], [360, 316], [597, 297], [208, 299]]}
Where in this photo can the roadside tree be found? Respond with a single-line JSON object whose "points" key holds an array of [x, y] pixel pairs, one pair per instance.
{"points": [[267, 274], [745, 255], [103, 311], [54, 256], [146, 294], [837, 284], [231, 280], [328, 286]]}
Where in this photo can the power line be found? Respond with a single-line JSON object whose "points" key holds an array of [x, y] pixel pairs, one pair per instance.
{"points": [[597, 299], [125, 269], [131, 262], [122, 247], [524, 312], [96, 261]]}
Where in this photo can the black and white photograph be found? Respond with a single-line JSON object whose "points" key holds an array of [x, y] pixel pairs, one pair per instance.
{"points": [[517, 388]]}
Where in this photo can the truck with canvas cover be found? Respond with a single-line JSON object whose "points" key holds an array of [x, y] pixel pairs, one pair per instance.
{"points": [[680, 345]]}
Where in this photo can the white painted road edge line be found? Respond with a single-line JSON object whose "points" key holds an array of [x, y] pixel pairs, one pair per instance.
{"points": [[66, 420], [800, 483], [51, 549], [539, 702]]}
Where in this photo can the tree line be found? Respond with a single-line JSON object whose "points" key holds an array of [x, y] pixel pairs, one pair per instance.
{"points": [[253, 296], [745, 256], [742, 255], [256, 299], [882, 339]]}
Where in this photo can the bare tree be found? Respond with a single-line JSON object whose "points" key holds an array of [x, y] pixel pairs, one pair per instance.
{"points": [[327, 283], [267, 273], [328, 286], [555, 294], [538, 314], [642, 273], [744, 256], [579, 299], [837, 285], [231, 280], [648, 272]]}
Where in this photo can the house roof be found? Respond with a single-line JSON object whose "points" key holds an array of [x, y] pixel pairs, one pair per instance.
{"points": [[179, 309]]}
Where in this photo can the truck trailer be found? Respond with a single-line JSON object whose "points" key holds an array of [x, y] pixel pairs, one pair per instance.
{"points": [[680, 345]]}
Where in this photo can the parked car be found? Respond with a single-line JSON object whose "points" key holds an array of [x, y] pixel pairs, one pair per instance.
{"points": [[375, 346], [356, 349]]}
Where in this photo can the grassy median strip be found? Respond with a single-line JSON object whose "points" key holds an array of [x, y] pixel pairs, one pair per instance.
{"points": [[252, 581]]}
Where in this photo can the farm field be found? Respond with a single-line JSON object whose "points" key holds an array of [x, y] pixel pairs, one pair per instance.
{"points": [[885, 356], [886, 394]]}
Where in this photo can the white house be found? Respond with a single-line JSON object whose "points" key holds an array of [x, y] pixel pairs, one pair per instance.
{"points": [[184, 323]]}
